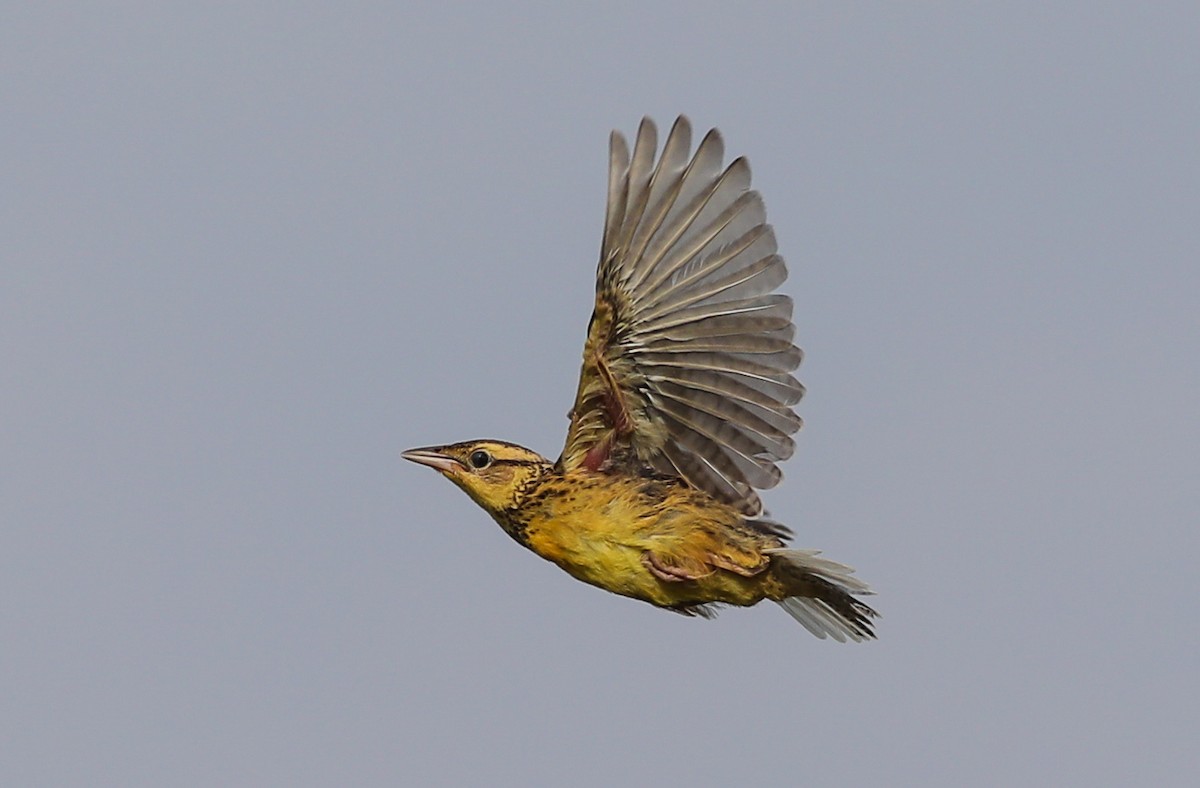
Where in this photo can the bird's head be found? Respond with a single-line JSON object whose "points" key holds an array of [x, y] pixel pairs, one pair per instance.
{"points": [[495, 474]]}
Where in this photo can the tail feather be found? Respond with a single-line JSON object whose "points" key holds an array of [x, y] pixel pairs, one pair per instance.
{"points": [[819, 593]]}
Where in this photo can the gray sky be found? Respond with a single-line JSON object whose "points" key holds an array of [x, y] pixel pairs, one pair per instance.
{"points": [[250, 254]]}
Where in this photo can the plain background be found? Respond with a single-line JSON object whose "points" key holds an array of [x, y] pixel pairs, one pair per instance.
{"points": [[253, 251]]}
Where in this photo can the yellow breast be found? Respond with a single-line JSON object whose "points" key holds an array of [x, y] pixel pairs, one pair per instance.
{"points": [[600, 528]]}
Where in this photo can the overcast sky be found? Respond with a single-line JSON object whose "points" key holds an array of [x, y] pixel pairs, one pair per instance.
{"points": [[250, 252]]}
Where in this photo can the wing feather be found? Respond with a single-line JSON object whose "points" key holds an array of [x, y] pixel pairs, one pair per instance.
{"points": [[618, 188], [701, 228], [772, 342], [764, 393], [759, 277], [763, 313], [640, 174], [697, 185], [688, 361], [772, 438]]}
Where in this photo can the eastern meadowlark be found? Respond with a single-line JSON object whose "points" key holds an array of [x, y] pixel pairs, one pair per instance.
{"points": [[684, 407]]}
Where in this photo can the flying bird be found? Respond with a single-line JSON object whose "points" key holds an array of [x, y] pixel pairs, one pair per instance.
{"points": [[684, 407]]}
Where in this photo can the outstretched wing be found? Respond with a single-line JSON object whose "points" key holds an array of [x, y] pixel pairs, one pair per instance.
{"points": [[686, 368]]}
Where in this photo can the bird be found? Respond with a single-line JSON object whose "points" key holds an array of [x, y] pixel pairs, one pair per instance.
{"points": [[684, 409]]}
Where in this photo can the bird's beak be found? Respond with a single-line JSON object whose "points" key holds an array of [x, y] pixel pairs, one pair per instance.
{"points": [[433, 458]]}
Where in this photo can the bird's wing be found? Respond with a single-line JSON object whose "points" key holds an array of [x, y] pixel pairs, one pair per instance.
{"points": [[686, 368]]}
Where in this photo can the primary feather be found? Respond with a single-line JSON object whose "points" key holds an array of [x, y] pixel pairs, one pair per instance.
{"points": [[687, 366]]}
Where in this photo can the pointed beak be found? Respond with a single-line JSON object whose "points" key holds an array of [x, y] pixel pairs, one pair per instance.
{"points": [[433, 458]]}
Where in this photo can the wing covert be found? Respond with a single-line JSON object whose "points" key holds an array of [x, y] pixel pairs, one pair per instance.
{"points": [[688, 359]]}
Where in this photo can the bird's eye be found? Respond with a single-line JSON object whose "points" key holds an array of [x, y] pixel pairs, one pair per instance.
{"points": [[480, 459]]}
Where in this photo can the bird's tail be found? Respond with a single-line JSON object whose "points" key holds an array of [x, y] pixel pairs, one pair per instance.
{"points": [[820, 594]]}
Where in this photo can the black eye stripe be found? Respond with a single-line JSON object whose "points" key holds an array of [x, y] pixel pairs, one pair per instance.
{"points": [[502, 461]]}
